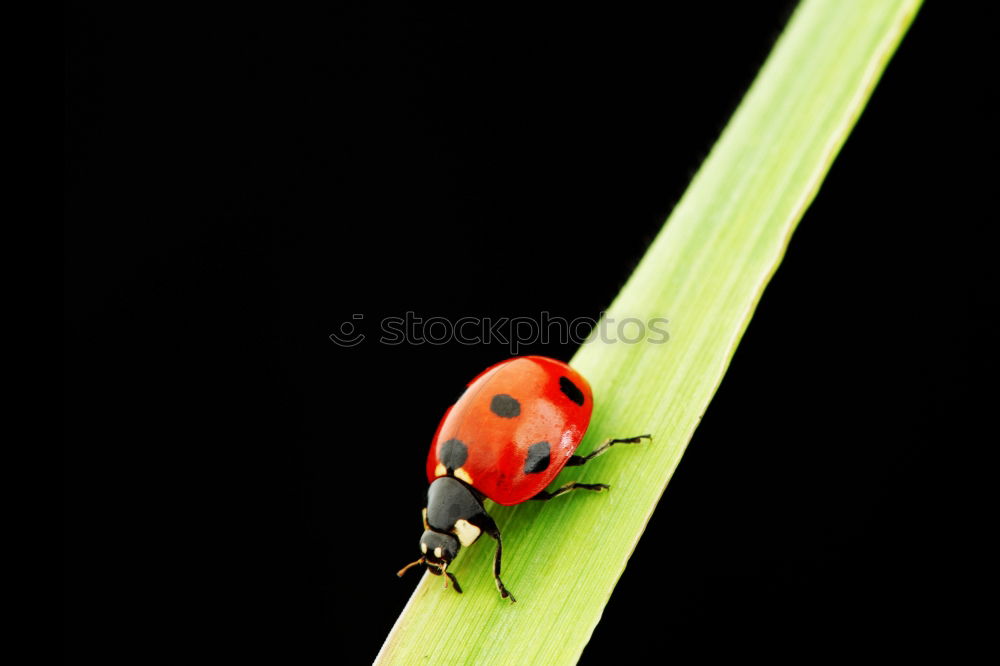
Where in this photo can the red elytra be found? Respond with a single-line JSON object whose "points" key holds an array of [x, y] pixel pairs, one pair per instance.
{"points": [[508, 418]]}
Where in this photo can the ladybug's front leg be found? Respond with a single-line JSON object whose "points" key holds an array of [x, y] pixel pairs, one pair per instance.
{"points": [[488, 525], [458, 588]]}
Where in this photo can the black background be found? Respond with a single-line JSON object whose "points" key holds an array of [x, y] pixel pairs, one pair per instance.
{"points": [[240, 181]]}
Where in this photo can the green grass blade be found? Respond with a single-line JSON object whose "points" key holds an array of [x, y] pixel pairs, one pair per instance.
{"points": [[705, 272]]}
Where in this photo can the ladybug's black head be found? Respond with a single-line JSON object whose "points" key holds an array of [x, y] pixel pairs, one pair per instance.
{"points": [[452, 519], [439, 550]]}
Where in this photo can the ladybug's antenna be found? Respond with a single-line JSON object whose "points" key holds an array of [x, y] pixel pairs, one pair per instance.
{"points": [[409, 566]]}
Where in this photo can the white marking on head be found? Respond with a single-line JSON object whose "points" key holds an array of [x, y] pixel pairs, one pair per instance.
{"points": [[440, 470], [438, 552], [466, 531], [423, 547], [462, 474]]}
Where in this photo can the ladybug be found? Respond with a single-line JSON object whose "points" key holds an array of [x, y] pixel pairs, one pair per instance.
{"points": [[515, 427]]}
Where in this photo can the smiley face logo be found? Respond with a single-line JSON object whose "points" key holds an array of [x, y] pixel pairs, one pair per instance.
{"points": [[348, 334]]}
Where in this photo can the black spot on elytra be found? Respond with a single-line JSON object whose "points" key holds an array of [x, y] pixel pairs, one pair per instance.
{"points": [[505, 406], [538, 458], [571, 390], [452, 454]]}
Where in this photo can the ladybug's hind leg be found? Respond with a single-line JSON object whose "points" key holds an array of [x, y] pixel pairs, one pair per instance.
{"points": [[546, 495], [575, 461], [579, 460]]}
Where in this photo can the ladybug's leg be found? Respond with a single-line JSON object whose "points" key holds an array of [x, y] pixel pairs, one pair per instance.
{"points": [[489, 526], [579, 460], [458, 588], [546, 495]]}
